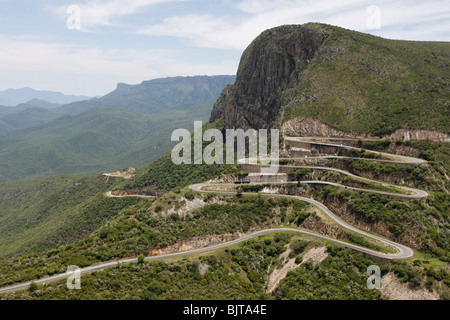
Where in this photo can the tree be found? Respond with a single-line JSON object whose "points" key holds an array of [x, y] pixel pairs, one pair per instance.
{"points": [[33, 287]]}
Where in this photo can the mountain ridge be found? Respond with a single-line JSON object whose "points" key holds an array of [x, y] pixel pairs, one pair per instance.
{"points": [[96, 137], [152, 96], [351, 81], [12, 97]]}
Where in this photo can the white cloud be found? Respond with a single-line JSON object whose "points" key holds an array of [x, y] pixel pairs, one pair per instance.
{"points": [[236, 32], [106, 13], [92, 71], [38, 62]]}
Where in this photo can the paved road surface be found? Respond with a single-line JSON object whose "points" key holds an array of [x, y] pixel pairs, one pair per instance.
{"points": [[403, 252]]}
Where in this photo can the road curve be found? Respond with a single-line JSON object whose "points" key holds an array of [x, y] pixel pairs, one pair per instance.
{"points": [[405, 159], [403, 252], [103, 266]]}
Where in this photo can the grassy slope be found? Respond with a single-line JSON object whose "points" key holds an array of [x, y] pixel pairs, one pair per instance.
{"points": [[44, 213], [358, 82], [24, 116], [93, 142], [238, 273], [165, 175], [136, 230], [41, 214]]}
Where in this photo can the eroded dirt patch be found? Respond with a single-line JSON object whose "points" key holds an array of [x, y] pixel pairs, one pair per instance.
{"points": [[392, 288], [316, 255]]}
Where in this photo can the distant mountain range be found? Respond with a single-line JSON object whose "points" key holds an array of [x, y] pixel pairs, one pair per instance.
{"points": [[156, 95], [130, 126], [46, 99]]}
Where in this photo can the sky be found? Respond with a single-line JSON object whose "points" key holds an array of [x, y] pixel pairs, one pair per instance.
{"points": [[86, 47]]}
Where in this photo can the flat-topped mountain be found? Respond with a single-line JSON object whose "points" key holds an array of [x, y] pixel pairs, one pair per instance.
{"points": [[157, 95]]}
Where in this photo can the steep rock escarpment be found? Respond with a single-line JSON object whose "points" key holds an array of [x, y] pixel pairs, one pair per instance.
{"points": [[273, 62], [353, 83], [310, 127]]}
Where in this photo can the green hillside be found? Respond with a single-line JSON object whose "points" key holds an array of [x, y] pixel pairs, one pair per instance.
{"points": [[353, 82], [130, 126], [41, 214], [362, 83], [23, 117], [93, 142], [349, 80]]}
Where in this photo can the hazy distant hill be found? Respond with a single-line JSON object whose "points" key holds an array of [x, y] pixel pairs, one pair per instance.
{"points": [[156, 95], [26, 116], [13, 97], [43, 104], [42, 141]]}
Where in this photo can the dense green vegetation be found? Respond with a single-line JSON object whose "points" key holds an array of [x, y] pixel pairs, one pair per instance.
{"points": [[237, 273], [240, 272], [364, 83], [165, 175], [146, 226], [139, 229], [436, 153], [427, 220], [42, 214], [93, 142], [131, 126], [23, 117], [345, 180], [430, 176]]}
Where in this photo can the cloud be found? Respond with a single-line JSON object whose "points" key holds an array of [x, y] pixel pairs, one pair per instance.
{"points": [[399, 19], [105, 13], [90, 70]]}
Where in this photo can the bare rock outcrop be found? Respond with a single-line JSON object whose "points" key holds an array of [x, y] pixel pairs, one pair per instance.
{"points": [[409, 134], [310, 127], [272, 63]]}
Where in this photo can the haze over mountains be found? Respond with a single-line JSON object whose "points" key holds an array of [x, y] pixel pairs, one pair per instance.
{"points": [[13, 97], [129, 126]]}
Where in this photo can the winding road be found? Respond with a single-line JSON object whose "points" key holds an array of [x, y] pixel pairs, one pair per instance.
{"points": [[403, 252]]}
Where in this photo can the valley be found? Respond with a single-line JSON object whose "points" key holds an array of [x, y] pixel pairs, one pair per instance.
{"points": [[130, 126], [401, 251], [363, 180]]}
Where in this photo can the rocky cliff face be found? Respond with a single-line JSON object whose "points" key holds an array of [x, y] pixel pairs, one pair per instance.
{"points": [[353, 83], [273, 62]]}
